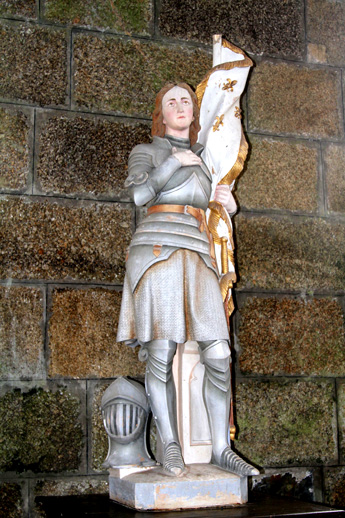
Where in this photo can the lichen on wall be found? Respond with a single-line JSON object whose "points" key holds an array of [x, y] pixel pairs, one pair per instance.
{"points": [[40, 431]]}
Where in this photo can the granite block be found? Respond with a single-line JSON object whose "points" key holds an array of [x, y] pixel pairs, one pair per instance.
{"points": [[21, 334], [124, 76], [82, 336], [316, 53], [40, 430], [259, 26], [34, 64], [83, 155], [286, 423], [284, 336], [335, 486], [98, 439], [11, 500], [334, 159], [326, 29], [18, 8], [46, 239], [15, 148], [297, 253], [279, 174], [341, 418], [134, 17], [292, 100]]}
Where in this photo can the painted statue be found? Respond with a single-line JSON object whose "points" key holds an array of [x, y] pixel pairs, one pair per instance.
{"points": [[172, 285]]}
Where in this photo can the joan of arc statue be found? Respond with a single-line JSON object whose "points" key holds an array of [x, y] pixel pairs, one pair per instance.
{"points": [[171, 292]]}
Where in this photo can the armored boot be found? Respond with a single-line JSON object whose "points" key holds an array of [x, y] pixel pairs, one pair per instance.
{"points": [[160, 389], [215, 356]]}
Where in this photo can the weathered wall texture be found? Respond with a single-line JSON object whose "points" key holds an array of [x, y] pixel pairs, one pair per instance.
{"points": [[77, 83]]}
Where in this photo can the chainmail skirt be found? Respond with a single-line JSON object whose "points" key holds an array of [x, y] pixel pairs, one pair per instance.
{"points": [[178, 299]]}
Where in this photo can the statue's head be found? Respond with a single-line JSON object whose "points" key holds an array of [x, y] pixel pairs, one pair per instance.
{"points": [[158, 126]]}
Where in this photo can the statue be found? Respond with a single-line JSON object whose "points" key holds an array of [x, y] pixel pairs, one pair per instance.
{"points": [[174, 290]]}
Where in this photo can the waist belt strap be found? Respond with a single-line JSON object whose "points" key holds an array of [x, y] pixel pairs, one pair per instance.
{"points": [[198, 214]]}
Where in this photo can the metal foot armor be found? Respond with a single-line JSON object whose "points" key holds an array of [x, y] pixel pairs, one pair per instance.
{"points": [[173, 462], [230, 461]]}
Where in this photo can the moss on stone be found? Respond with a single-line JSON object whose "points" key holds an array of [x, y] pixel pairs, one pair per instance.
{"points": [[118, 14], [334, 157], [287, 336], [40, 431], [51, 240], [83, 155], [82, 336], [286, 423], [99, 438], [34, 64], [279, 174], [18, 8], [21, 334], [141, 70], [290, 254]]}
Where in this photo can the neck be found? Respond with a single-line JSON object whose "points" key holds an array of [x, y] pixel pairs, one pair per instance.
{"points": [[178, 133], [178, 142]]}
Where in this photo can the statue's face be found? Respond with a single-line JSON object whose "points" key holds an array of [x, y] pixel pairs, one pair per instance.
{"points": [[177, 107]]}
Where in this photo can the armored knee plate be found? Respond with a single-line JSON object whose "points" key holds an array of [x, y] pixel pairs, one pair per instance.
{"points": [[215, 356], [125, 410], [160, 355]]}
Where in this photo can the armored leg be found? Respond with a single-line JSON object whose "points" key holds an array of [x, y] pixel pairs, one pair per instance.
{"points": [[215, 355], [160, 389]]}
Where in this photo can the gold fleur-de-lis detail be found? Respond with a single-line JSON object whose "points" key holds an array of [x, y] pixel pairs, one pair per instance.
{"points": [[238, 112], [219, 122], [229, 85]]}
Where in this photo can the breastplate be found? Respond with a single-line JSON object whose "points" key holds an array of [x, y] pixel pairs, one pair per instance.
{"points": [[188, 186]]}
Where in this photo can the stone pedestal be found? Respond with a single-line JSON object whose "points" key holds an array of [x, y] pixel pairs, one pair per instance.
{"points": [[202, 486]]}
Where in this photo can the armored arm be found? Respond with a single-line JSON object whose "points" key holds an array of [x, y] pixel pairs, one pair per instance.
{"points": [[144, 179]]}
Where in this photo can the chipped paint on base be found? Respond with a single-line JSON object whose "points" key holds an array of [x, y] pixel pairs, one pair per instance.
{"points": [[201, 487]]}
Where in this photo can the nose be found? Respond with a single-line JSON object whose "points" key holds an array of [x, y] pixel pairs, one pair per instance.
{"points": [[179, 107]]}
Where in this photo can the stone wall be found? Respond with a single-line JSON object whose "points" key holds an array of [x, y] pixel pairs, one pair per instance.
{"points": [[77, 83]]}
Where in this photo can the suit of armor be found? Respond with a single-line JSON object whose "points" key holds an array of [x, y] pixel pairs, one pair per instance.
{"points": [[171, 293]]}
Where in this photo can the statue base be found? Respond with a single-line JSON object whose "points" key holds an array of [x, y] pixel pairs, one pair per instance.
{"points": [[202, 486]]}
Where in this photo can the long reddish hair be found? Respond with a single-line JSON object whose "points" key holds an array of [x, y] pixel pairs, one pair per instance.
{"points": [[158, 127]]}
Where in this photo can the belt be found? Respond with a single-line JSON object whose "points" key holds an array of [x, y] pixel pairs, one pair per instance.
{"points": [[198, 214]]}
